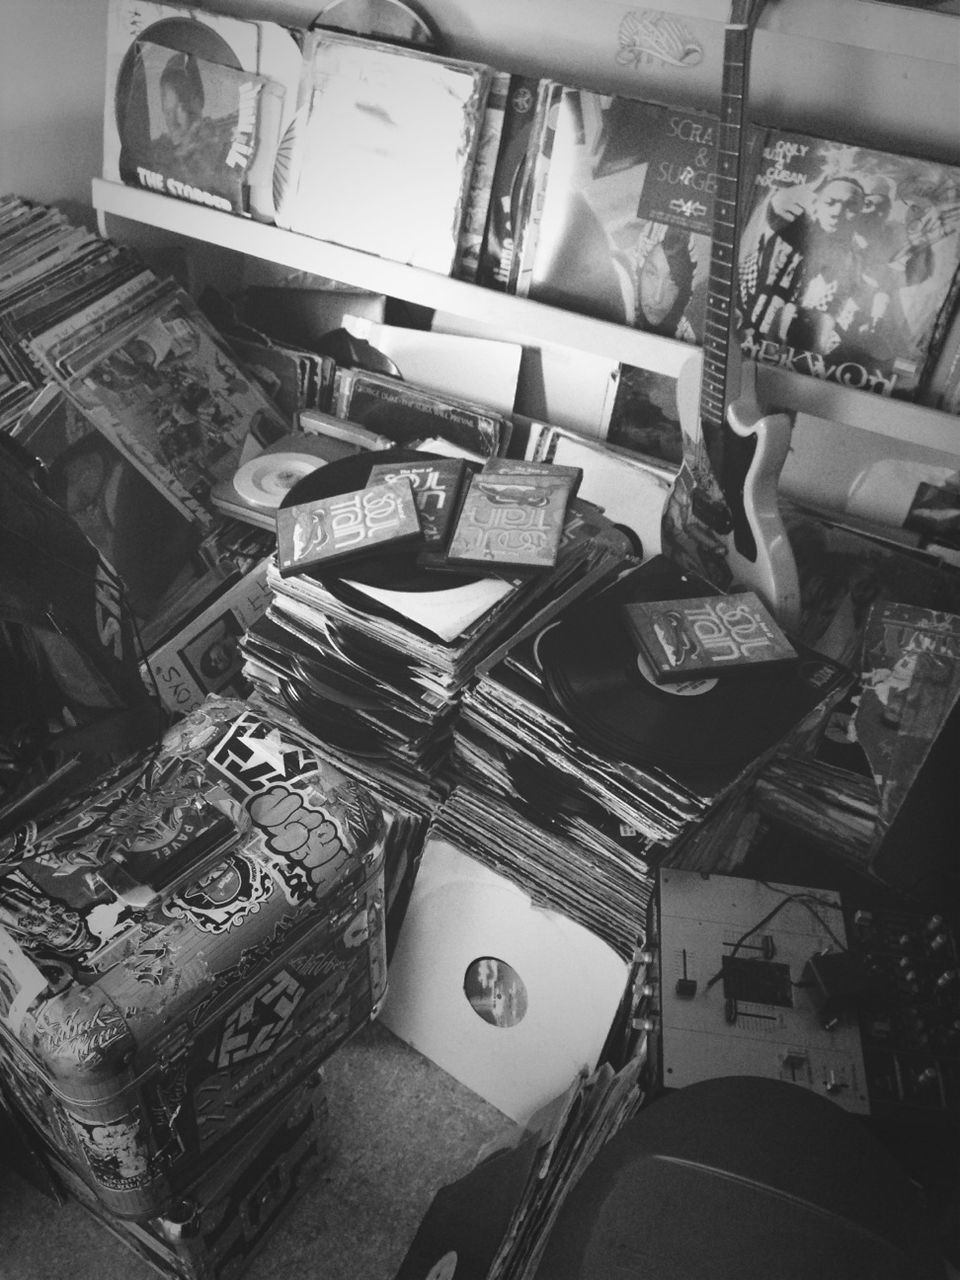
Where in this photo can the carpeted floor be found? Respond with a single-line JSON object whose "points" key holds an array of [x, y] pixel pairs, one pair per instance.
{"points": [[400, 1128]]}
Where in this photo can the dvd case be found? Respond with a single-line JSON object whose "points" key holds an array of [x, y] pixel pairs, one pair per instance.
{"points": [[848, 261], [329, 531]]}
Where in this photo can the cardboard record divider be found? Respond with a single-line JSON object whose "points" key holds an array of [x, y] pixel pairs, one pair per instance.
{"points": [[393, 570]]}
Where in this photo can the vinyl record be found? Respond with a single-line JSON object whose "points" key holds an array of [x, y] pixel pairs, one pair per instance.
{"points": [[509, 999], [265, 480], [332, 723], [593, 671], [391, 570]]}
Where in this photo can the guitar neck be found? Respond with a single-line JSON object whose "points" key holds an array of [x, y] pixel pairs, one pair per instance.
{"points": [[718, 350]]}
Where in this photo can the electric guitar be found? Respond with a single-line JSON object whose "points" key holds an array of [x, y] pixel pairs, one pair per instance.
{"points": [[721, 519]]}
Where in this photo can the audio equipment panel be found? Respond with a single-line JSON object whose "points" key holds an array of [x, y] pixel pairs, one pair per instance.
{"points": [[736, 988]]}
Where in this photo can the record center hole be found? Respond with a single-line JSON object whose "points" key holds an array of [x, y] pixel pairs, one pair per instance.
{"points": [[496, 992]]}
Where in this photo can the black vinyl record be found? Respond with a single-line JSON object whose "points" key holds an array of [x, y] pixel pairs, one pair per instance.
{"points": [[591, 669], [390, 570], [331, 722]]}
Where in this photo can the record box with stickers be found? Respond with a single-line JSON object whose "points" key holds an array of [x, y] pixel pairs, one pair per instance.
{"points": [[182, 946]]}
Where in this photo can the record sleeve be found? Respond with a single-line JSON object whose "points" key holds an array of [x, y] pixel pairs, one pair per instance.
{"points": [[508, 998], [524, 115], [621, 226], [848, 261], [383, 147], [411, 415], [230, 42], [171, 398], [481, 179], [210, 135]]}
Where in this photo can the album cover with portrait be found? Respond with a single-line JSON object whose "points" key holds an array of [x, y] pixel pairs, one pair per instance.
{"points": [[200, 131], [848, 261], [621, 214]]}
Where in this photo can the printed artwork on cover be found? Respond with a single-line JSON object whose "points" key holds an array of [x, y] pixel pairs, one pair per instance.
{"points": [[190, 128], [848, 261], [173, 400], [621, 230]]}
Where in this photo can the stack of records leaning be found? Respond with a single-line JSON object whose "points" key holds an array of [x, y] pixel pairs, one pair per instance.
{"points": [[570, 723], [113, 378], [371, 655]]}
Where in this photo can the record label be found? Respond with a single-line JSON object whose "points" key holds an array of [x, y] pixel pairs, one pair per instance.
{"points": [[265, 481], [681, 688]]}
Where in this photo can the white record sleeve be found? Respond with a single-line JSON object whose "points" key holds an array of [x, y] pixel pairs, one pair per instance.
{"points": [[509, 998]]}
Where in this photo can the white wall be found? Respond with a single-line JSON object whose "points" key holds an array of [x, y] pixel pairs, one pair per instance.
{"points": [[51, 98]]}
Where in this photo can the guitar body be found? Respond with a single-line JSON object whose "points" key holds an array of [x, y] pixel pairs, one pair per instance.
{"points": [[722, 519], [700, 532]]}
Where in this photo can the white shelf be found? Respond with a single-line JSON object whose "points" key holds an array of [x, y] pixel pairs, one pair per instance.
{"points": [[541, 325]]}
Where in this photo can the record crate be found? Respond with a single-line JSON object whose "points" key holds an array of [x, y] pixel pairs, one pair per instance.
{"points": [[181, 947], [223, 1219]]}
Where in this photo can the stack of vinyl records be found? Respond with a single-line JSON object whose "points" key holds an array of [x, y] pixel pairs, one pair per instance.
{"points": [[372, 656], [574, 714], [565, 862]]}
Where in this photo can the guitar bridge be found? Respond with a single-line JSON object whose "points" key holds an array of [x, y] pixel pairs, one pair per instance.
{"points": [[711, 511]]}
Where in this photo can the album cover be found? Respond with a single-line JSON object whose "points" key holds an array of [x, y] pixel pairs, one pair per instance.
{"points": [[295, 380], [621, 225], [705, 636], [329, 531], [382, 150], [524, 119], [643, 415], [174, 402], [411, 415], [204, 656], [510, 520], [480, 193], [200, 131], [870, 790], [229, 41], [848, 261]]}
